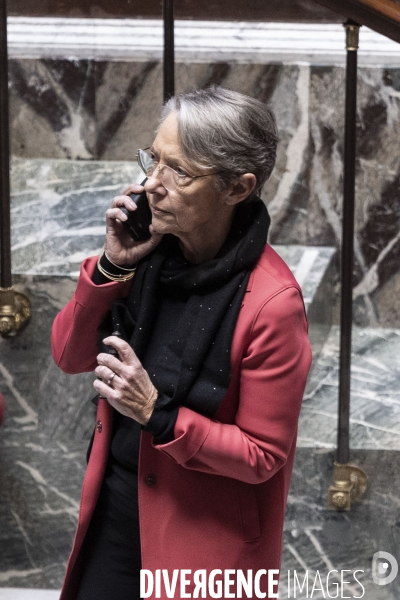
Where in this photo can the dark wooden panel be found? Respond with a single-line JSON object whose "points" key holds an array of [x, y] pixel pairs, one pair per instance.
{"points": [[382, 16], [257, 10], [388, 8]]}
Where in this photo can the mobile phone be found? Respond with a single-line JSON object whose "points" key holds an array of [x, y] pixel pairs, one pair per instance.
{"points": [[138, 220]]}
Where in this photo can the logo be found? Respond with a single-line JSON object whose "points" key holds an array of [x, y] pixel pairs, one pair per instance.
{"points": [[384, 568]]}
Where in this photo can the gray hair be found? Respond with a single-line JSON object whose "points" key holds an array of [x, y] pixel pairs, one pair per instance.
{"points": [[225, 131]]}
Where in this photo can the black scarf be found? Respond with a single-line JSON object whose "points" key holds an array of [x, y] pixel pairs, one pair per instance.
{"points": [[200, 349]]}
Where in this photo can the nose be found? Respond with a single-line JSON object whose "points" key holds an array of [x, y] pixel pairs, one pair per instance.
{"points": [[153, 184]]}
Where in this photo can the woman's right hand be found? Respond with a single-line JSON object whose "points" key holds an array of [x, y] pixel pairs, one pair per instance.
{"points": [[119, 246]]}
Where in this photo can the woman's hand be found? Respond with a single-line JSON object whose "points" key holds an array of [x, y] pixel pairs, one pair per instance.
{"points": [[119, 246], [130, 391]]}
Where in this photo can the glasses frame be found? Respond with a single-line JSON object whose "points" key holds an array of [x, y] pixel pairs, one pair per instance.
{"points": [[161, 166]]}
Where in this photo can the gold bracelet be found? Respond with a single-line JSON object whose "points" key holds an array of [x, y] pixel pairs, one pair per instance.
{"points": [[111, 277], [118, 266], [121, 278]]}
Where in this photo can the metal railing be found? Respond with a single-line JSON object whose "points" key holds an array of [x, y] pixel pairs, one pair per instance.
{"points": [[349, 481], [15, 307], [169, 49]]}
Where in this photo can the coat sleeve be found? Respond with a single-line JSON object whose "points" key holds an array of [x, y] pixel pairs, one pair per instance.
{"points": [[74, 332], [273, 374]]}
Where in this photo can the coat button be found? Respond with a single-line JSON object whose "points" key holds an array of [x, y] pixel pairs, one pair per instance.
{"points": [[150, 480], [99, 426]]}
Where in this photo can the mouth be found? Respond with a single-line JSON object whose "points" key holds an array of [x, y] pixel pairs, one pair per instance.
{"points": [[159, 211]]}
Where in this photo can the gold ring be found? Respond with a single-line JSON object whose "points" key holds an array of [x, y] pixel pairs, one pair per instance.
{"points": [[111, 378]]}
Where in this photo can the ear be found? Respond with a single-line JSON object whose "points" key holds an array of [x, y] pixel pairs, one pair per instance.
{"points": [[240, 188]]}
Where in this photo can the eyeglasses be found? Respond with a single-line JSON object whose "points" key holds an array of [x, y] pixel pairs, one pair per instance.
{"points": [[170, 178]]}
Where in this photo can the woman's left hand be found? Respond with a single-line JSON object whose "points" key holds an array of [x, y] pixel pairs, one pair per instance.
{"points": [[130, 390]]}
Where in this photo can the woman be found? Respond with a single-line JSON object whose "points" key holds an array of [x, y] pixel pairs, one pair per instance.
{"points": [[209, 373]]}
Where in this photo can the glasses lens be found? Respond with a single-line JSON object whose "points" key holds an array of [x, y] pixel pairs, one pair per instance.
{"points": [[146, 162], [168, 178]]}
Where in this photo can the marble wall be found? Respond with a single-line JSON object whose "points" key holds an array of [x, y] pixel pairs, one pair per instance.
{"points": [[317, 539], [105, 110], [42, 445]]}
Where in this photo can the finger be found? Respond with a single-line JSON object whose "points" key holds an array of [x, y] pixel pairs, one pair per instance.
{"points": [[123, 201], [115, 214], [111, 362], [113, 398], [105, 373], [133, 188], [105, 390], [125, 351]]}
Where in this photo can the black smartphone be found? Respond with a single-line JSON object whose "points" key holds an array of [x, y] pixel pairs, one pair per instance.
{"points": [[138, 220]]}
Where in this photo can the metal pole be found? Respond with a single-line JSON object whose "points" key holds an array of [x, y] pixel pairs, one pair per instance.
{"points": [[5, 232], [346, 312], [15, 308], [349, 481], [169, 50]]}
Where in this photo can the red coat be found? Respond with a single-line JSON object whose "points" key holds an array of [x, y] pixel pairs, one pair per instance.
{"points": [[215, 496]]}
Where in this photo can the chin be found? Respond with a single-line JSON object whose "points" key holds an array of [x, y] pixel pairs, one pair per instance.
{"points": [[161, 227]]}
